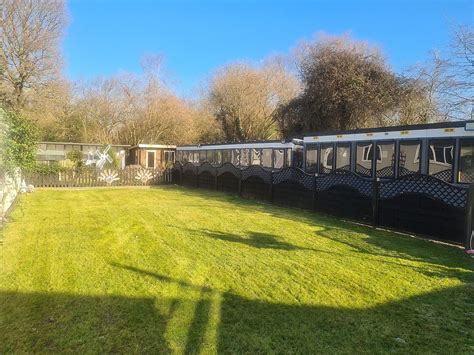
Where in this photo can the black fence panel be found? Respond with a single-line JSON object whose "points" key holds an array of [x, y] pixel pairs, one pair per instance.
{"points": [[228, 182], [206, 180], [423, 204], [228, 178], [345, 194], [255, 187], [189, 175], [293, 187], [206, 177], [176, 173], [256, 183], [293, 194]]}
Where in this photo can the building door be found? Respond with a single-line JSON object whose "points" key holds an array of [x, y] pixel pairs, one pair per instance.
{"points": [[150, 159]]}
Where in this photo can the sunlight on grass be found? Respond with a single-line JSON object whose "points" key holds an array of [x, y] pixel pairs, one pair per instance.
{"points": [[177, 270]]}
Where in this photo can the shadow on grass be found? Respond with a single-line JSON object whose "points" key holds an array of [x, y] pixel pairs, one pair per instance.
{"points": [[250, 238], [439, 321], [361, 238], [429, 322]]}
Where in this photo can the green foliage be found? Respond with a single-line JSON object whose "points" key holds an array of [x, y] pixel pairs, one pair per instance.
{"points": [[18, 143], [77, 158], [173, 270], [45, 169]]}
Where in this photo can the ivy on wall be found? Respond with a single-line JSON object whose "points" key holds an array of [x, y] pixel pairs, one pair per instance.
{"points": [[17, 142]]}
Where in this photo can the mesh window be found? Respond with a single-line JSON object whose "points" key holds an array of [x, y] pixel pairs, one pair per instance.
{"points": [[326, 159], [365, 155], [236, 157], [409, 158], [311, 158], [466, 162], [226, 156], [278, 158], [267, 158], [386, 160], [212, 157], [245, 158], [441, 159], [202, 156], [343, 156], [256, 156], [289, 157]]}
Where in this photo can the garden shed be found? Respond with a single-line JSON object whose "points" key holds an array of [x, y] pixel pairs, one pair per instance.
{"points": [[151, 155]]}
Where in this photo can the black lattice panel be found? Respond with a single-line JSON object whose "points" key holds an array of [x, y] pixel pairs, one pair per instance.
{"points": [[345, 178], [294, 174], [466, 177], [206, 167], [386, 172], [404, 171], [363, 170], [451, 195], [258, 171], [228, 168], [445, 175]]}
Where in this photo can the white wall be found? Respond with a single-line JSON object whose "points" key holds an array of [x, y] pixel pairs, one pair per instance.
{"points": [[9, 188]]}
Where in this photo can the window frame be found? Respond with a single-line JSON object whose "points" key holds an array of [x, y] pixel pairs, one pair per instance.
{"points": [[147, 159]]}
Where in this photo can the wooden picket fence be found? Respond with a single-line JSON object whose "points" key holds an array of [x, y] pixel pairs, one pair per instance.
{"points": [[105, 177]]}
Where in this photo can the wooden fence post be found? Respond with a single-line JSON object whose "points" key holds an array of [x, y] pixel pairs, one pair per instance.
{"points": [[216, 186], [375, 202], [180, 175], [469, 217]]}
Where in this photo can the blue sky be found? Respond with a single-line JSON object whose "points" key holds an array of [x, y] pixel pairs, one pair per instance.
{"points": [[196, 37]]}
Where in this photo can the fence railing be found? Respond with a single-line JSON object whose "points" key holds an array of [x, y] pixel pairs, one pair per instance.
{"points": [[417, 203], [106, 177]]}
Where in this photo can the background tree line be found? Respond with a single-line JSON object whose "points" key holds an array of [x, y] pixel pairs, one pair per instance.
{"points": [[323, 84]]}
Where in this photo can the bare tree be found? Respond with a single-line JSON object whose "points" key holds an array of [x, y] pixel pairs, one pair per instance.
{"points": [[458, 80], [244, 99], [448, 78], [30, 35], [104, 105]]}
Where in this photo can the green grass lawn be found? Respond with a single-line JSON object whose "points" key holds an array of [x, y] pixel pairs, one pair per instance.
{"points": [[177, 270]]}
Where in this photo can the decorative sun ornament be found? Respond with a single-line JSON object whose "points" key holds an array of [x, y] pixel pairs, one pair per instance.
{"points": [[109, 176], [144, 175]]}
